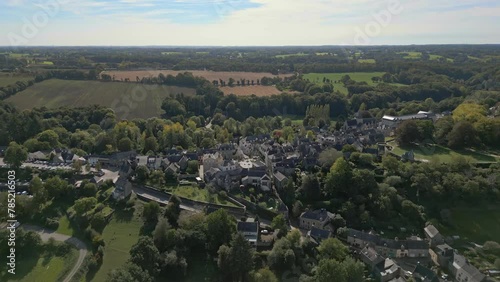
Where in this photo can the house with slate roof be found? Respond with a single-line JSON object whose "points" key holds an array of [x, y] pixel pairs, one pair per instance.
{"points": [[249, 230], [432, 234], [315, 218], [317, 235]]}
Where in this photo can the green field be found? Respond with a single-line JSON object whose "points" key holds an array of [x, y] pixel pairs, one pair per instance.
{"points": [[121, 233], [129, 100], [7, 79], [367, 61], [41, 268], [440, 153], [475, 224], [65, 226], [18, 55], [335, 77], [291, 55], [171, 53], [411, 55], [198, 194]]}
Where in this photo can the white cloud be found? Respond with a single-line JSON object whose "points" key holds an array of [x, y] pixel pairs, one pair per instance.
{"points": [[274, 22]]}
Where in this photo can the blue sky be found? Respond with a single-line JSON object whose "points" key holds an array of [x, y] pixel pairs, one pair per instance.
{"points": [[248, 22]]}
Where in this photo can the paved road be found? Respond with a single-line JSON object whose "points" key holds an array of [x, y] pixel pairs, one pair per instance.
{"points": [[46, 234]]}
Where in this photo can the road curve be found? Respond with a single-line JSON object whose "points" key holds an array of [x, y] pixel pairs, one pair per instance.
{"points": [[46, 234]]}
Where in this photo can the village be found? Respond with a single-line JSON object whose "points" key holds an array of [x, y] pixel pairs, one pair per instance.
{"points": [[259, 163]]}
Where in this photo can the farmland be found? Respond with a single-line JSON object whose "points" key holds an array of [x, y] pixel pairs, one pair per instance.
{"points": [[7, 78], [335, 78], [367, 61], [257, 90], [291, 55], [127, 99], [209, 75]]}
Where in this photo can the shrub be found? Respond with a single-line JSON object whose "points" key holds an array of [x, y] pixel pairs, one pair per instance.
{"points": [[52, 223], [492, 247], [223, 194]]}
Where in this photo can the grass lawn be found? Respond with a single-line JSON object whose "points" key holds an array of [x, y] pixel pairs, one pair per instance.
{"points": [[356, 76], [129, 100], [411, 55], [296, 120], [367, 61], [475, 224], [18, 55], [42, 267], [65, 226], [443, 154], [198, 194], [119, 235]]}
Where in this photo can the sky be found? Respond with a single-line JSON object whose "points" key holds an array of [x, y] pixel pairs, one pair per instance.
{"points": [[247, 22]]}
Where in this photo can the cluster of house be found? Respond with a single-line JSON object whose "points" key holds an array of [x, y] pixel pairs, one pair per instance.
{"points": [[448, 258], [55, 156], [383, 255], [318, 224]]}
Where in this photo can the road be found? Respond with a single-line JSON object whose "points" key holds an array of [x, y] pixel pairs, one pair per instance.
{"points": [[46, 234]]}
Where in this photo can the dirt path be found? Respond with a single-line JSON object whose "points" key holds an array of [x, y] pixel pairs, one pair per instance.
{"points": [[46, 234]]}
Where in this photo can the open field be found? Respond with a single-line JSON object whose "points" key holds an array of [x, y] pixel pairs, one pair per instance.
{"points": [[7, 78], [41, 268], [257, 90], [440, 153], [209, 75], [198, 194], [129, 100], [411, 55], [474, 224], [335, 78], [121, 233], [65, 226], [291, 55], [367, 61]]}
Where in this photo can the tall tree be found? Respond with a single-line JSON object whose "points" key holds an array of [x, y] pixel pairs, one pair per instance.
{"points": [[279, 222], [15, 155], [145, 254], [241, 257], [150, 211], [330, 270], [160, 235], [219, 227], [332, 248], [338, 180]]}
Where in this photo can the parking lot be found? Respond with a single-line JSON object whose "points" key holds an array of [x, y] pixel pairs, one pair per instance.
{"points": [[43, 165]]}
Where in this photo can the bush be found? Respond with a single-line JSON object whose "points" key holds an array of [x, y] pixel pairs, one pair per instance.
{"points": [[491, 247], [52, 223], [98, 221], [223, 194], [99, 207], [97, 242], [62, 249]]}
